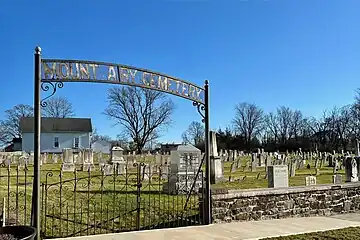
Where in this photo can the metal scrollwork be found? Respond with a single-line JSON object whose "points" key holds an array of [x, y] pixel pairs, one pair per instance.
{"points": [[50, 86], [200, 109]]}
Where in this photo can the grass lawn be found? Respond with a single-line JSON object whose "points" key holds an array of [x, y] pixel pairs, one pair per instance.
{"points": [[245, 179], [351, 233], [91, 203], [83, 203]]}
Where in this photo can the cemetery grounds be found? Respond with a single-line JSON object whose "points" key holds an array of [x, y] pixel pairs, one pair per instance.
{"points": [[85, 203], [90, 202]]}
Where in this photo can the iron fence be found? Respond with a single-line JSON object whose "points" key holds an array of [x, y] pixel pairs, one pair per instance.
{"points": [[96, 202]]}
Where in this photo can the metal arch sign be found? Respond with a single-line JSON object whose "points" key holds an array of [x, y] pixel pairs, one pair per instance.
{"points": [[49, 74], [56, 70]]}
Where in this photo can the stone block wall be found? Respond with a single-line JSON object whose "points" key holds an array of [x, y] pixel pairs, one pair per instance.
{"points": [[262, 204]]}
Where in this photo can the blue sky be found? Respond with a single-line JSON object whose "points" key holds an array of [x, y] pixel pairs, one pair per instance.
{"points": [[301, 54]]}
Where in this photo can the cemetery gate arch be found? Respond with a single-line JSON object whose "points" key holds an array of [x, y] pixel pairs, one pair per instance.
{"points": [[50, 75]]}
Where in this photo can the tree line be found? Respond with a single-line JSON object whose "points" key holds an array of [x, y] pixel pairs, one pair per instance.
{"points": [[145, 114], [287, 129]]}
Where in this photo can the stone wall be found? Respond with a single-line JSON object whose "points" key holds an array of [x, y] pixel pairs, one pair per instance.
{"points": [[261, 204]]}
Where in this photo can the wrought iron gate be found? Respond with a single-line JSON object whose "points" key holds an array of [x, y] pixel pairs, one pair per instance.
{"points": [[83, 203]]}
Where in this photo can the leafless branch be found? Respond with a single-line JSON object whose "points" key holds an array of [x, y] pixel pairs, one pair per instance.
{"points": [[142, 112]]}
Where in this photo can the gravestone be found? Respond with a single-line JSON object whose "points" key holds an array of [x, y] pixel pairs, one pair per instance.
{"points": [[147, 172], [185, 163], [76, 158], [88, 159], [108, 169], [44, 157], [316, 162], [99, 156], [310, 180], [233, 168], [335, 166], [31, 158], [351, 170], [357, 160], [55, 158], [117, 159], [238, 162], [217, 166], [158, 159], [253, 162], [292, 169], [164, 171], [337, 179], [235, 155], [260, 159], [278, 176], [267, 161], [68, 162], [22, 162], [221, 153], [116, 155], [330, 160], [247, 166], [231, 152]]}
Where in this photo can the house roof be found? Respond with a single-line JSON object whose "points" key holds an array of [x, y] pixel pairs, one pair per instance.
{"points": [[56, 125]]}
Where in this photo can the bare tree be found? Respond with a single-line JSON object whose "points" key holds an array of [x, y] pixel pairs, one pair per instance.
{"points": [[10, 126], [195, 133], [284, 115], [296, 124], [58, 107], [248, 120], [355, 112], [344, 125], [142, 112], [272, 126]]}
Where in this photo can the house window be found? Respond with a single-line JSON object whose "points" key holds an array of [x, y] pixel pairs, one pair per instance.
{"points": [[56, 142], [76, 142]]}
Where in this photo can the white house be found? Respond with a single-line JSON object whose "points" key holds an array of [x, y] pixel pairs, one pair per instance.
{"points": [[57, 133]]}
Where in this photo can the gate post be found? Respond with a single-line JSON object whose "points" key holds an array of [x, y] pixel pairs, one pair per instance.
{"points": [[35, 210], [207, 198], [138, 197]]}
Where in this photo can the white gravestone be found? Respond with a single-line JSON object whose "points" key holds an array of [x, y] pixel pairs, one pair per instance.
{"points": [[158, 159], [117, 155], [68, 162], [117, 159], [55, 158], [217, 166], [31, 158], [337, 179], [351, 171], [278, 176], [88, 159], [185, 162], [108, 169], [310, 180]]}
